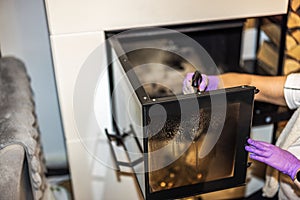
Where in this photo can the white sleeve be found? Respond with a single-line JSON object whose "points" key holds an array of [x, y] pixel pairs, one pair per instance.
{"points": [[292, 90]]}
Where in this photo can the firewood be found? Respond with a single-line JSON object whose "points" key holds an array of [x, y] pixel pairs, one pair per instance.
{"points": [[273, 31], [294, 53], [268, 57], [295, 5], [293, 20], [296, 35], [290, 65]]}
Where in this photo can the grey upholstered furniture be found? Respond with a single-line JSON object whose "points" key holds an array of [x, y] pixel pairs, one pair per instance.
{"points": [[21, 157]]}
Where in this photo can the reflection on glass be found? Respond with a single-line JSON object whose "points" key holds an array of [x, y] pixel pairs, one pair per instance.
{"points": [[182, 141]]}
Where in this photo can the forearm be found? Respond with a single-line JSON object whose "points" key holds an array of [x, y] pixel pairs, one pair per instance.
{"points": [[270, 87]]}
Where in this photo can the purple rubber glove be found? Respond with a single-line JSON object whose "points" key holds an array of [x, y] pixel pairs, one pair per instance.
{"points": [[208, 83], [274, 156]]}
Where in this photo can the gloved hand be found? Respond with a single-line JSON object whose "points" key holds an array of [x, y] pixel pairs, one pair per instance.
{"points": [[274, 156], [208, 83]]}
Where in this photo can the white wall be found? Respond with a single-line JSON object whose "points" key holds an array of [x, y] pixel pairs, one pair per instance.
{"points": [[24, 34]]}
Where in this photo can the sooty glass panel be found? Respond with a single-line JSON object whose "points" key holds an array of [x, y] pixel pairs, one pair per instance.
{"points": [[183, 140]]}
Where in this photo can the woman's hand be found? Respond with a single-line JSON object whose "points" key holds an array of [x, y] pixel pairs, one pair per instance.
{"points": [[274, 156], [207, 83]]}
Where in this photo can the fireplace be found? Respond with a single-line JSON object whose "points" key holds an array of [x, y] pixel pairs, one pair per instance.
{"points": [[179, 145]]}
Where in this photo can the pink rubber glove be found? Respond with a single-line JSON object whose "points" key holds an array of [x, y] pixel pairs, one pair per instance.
{"points": [[208, 83], [274, 156]]}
